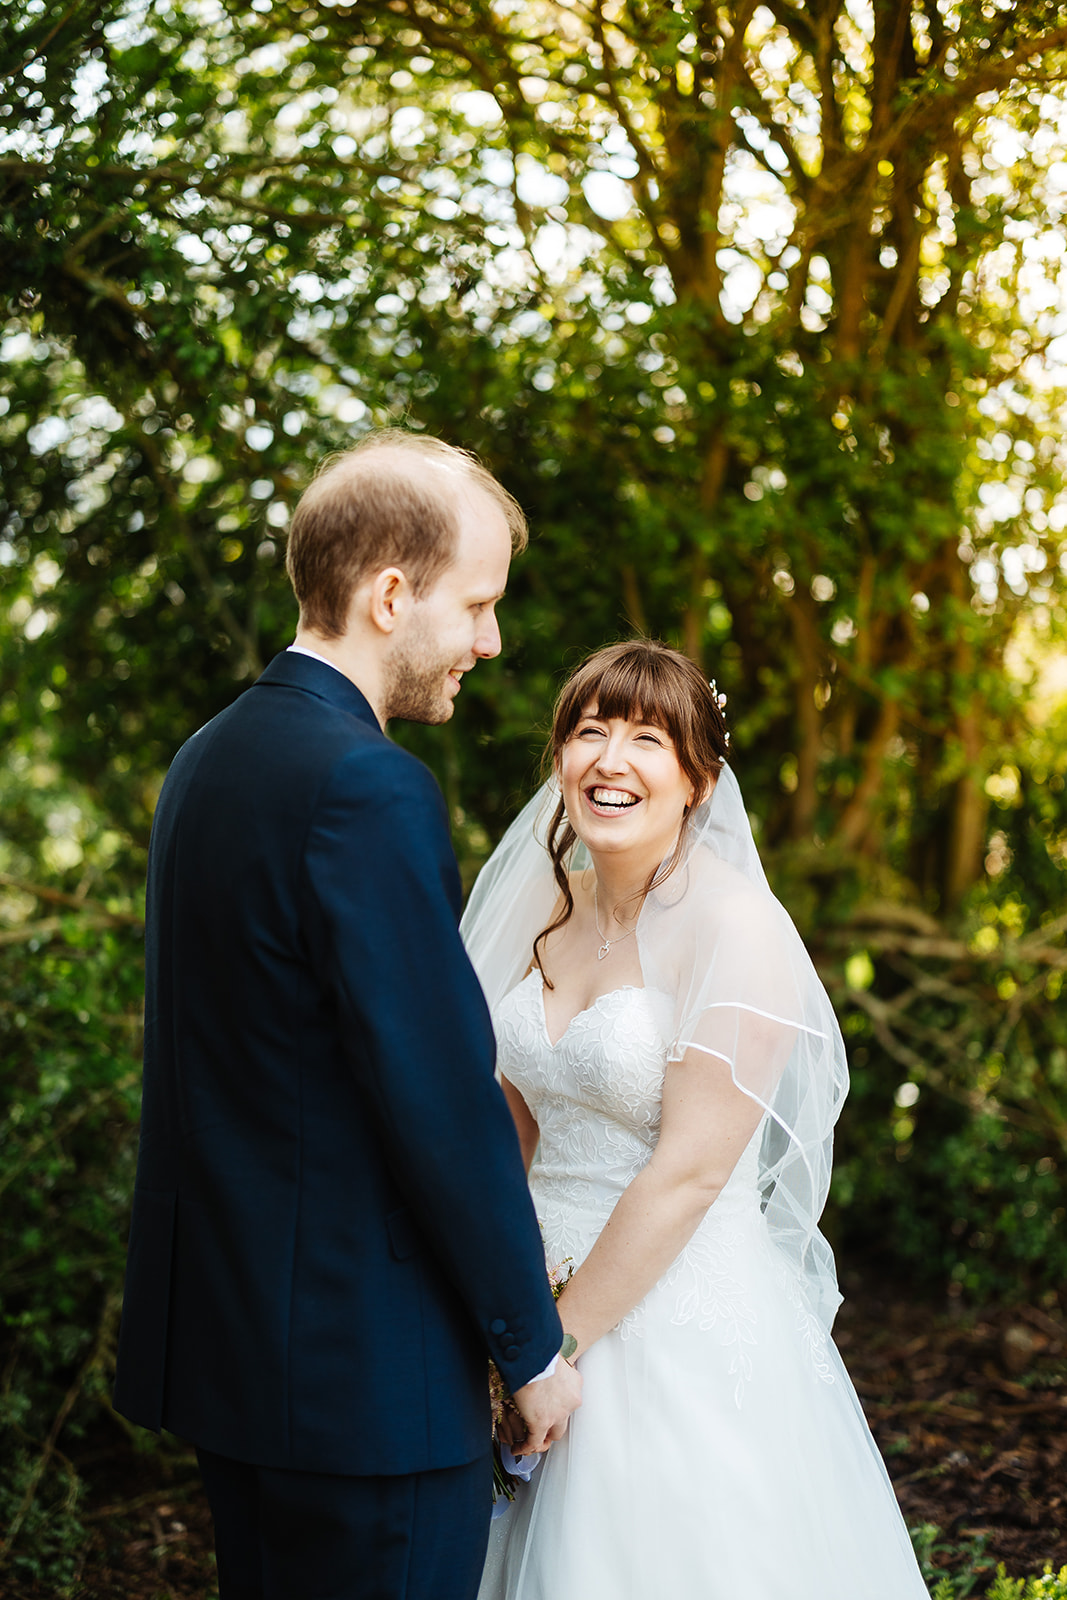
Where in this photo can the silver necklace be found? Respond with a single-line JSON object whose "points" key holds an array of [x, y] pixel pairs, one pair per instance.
{"points": [[605, 948]]}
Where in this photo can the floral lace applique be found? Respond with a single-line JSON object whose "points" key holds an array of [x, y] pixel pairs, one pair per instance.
{"points": [[708, 1292], [813, 1335]]}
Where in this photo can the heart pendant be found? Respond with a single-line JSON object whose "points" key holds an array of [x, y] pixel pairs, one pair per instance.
{"points": [[604, 950]]}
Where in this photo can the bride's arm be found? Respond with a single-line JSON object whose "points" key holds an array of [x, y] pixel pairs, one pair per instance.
{"points": [[525, 1126], [706, 1122]]}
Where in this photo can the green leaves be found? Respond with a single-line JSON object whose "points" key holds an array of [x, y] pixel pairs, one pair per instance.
{"points": [[354, 233], [69, 1036]]}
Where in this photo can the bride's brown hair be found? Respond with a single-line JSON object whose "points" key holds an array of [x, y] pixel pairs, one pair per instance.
{"points": [[640, 680]]}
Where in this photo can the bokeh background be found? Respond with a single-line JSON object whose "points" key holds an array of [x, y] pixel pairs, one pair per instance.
{"points": [[760, 310]]}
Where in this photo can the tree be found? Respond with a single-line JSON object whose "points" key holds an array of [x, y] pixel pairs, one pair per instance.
{"points": [[757, 288], [825, 218]]}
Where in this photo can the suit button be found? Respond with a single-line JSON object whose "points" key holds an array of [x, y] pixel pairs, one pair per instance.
{"points": [[498, 1325], [512, 1353]]}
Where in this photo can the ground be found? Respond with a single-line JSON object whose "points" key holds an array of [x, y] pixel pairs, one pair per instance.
{"points": [[970, 1412], [969, 1408]]}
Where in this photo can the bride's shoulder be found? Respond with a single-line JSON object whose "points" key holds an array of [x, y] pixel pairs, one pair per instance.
{"points": [[707, 880], [718, 897]]}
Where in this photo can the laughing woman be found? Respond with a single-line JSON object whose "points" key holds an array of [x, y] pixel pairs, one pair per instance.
{"points": [[672, 1058]]}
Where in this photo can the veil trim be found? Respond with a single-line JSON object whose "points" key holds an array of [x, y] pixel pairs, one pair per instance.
{"points": [[756, 1011]]}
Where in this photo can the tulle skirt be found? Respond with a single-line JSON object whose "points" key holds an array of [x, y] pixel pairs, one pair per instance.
{"points": [[720, 1453]]}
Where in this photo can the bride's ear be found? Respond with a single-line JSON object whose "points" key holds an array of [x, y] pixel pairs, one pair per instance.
{"points": [[705, 793]]}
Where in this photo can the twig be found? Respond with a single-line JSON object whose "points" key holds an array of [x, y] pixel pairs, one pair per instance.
{"points": [[94, 1358], [942, 948], [56, 1132], [52, 925], [76, 902], [31, 930], [38, 52], [123, 1508]]}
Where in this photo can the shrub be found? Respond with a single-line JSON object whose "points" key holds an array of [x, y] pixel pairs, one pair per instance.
{"points": [[70, 1009]]}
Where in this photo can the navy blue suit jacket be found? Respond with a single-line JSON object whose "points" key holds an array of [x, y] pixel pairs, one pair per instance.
{"points": [[331, 1227]]}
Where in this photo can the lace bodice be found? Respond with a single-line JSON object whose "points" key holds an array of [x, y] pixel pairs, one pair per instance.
{"points": [[595, 1095]]}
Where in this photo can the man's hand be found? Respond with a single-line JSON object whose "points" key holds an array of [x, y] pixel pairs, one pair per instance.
{"points": [[546, 1408]]}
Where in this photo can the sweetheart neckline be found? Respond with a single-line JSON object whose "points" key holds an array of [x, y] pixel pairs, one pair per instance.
{"points": [[624, 988]]}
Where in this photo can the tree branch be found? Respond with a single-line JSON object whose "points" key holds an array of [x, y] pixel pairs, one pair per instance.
{"points": [[764, 115], [39, 50], [76, 902]]}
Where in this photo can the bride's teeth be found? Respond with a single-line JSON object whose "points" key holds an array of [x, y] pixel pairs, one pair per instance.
{"points": [[612, 798]]}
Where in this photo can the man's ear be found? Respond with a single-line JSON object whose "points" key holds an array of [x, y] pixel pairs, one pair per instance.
{"points": [[387, 597]]}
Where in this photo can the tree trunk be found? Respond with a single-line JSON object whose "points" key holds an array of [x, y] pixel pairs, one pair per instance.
{"points": [[809, 721], [858, 818], [966, 833]]}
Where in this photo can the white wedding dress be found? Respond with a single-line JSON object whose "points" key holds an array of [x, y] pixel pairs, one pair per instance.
{"points": [[720, 1452]]}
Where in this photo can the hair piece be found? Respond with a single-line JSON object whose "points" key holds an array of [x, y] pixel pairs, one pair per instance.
{"points": [[391, 501], [639, 680]]}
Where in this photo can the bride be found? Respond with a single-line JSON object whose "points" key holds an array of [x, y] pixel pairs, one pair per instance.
{"points": [[675, 1071]]}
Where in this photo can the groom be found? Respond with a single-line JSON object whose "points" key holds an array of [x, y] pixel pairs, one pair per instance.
{"points": [[331, 1230]]}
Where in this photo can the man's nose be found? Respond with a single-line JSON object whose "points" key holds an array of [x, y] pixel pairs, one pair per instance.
{"points": [[487, 644]]}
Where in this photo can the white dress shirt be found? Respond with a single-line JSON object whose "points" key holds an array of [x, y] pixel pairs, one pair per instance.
{"points": [[302, 650]]}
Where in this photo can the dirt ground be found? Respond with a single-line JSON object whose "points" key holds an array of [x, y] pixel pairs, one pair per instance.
{"points": [[970, 1411]]}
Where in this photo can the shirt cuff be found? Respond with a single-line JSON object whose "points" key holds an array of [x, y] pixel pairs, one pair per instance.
{"points": [[549, 1370]]}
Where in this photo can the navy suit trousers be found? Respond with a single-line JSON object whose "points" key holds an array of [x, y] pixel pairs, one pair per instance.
{"points": [[282, 1535]]}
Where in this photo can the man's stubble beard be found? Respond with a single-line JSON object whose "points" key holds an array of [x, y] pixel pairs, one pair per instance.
{"points": [[416, 683]]}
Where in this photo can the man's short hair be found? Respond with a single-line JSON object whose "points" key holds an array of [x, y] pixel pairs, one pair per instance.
{"points": [[391, 501]]}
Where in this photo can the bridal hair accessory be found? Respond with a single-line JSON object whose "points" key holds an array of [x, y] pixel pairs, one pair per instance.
{"points": [[605, 948], [720, 701], [739, 991]]}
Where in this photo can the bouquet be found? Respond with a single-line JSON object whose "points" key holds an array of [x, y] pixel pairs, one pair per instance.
{"points": [[509, 1469]]}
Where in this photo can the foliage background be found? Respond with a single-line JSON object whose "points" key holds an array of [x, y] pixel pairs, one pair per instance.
{"points": [[759, 311]]}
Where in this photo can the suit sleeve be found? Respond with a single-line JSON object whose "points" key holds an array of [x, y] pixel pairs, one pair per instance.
{"points": [[383, 880]]}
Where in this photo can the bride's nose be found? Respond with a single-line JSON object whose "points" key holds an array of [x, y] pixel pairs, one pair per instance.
{"points": [[612, 758]]}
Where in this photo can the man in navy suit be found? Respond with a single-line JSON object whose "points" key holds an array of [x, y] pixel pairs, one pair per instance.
{"points": [[331, 1228]]}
